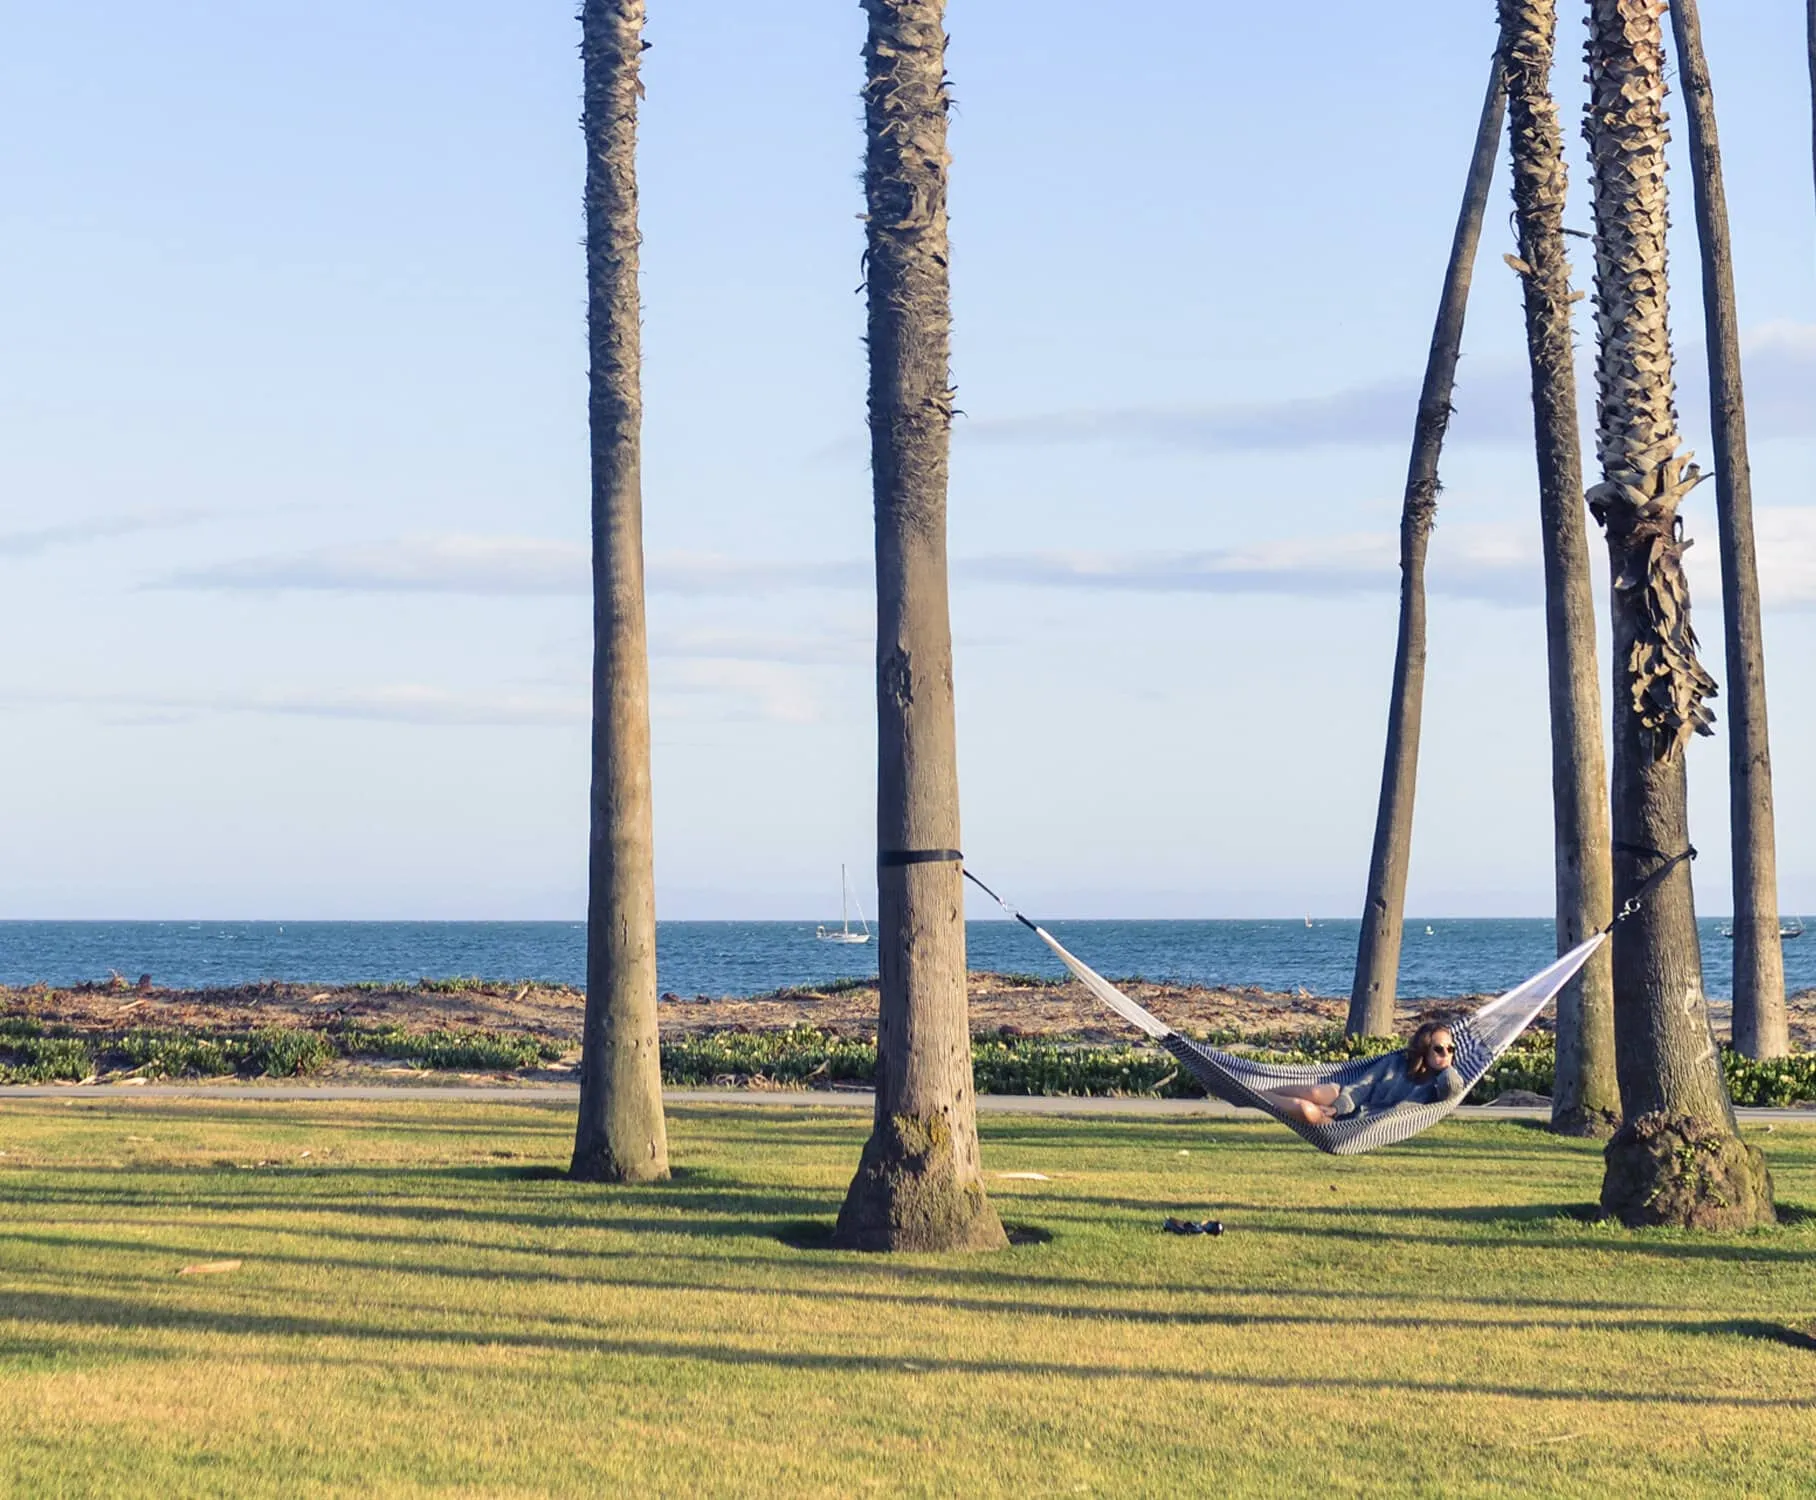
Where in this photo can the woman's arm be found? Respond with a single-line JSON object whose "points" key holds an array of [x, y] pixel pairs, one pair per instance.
{"points": [[1447, 1085]]}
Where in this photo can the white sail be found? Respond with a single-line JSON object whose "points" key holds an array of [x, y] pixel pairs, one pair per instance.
{"points": [[843, 933]]}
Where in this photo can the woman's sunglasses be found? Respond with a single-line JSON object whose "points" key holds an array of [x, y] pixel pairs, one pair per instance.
{"points": [[1439, 1048]]}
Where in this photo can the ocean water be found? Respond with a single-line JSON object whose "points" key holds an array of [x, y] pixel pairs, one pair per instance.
{"points": [[1440, 958]]}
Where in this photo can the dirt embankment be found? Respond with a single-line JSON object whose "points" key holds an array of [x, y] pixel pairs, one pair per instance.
{"points": [[999, 1005]]}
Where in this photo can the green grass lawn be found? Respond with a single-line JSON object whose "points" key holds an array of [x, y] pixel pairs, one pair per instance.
{"points": [[423, 1304]]}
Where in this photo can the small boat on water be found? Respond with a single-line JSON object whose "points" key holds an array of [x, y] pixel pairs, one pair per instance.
{"points": [[843, 933], [1788, 928]]}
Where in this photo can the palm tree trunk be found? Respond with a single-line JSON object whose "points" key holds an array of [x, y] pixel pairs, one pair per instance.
{"points": [[919, 1185], [620, 1136], [1585, 1099], [1676, 1158], [1371, 997], [1761, 1028], [1809, 28]]}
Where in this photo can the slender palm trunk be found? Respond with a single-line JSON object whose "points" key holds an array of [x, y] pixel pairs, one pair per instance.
{"points": [[1809, 29], [620, 1136], [1676, 1158], [1761, 1028], [1585, 1099], [919, 1185], [1371, 998]]}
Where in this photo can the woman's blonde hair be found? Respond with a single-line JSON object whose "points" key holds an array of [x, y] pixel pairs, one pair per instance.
{"points": [[1416, 1048]]}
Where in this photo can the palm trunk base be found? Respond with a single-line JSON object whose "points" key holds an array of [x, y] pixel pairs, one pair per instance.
{"points": [[1685, 1172], [1585, 1123], [604, 1166], [908, 1194]]}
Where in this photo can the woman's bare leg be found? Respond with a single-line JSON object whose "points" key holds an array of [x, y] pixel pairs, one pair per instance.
{"points": [[1310, 1102], [1303, 1109], [1324, 1094]]}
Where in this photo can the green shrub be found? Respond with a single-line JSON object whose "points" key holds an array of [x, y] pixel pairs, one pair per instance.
{"points": [[168, 1054], [1023, 980], [32, 1058], [271, 1052], [795, 1055], [277, 1052], [444, 1049], [1773, 1083], [1031, 1067]]}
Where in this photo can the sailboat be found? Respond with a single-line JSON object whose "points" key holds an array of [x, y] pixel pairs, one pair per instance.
{"points": [[843, 933]]}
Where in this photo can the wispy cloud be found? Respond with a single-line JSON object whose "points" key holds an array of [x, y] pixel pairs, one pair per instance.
{"points": [[1492, 401], [1786, 535], [405, 565], [32, 542], [720, 688], [714, 682], [852, 648], [496, 565], [701, 573], [406, 703], [1778, 365], [1488, 404], [1491, 563]]}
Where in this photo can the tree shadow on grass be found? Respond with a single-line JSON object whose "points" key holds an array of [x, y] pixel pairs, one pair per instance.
{"points": [[701, 1207], [549, 1172], [119, 1316], [903, 1293], [1751, 1245], [902, 1279], [1791, 1336], [816, 1234]]}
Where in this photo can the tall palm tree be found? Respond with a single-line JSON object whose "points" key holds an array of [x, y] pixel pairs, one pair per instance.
{"points": [[919, 1185], [1371, 997], [1761, 1028], [1585, 1099], [1809, 31], [1677, 1157], [620, 1136]]}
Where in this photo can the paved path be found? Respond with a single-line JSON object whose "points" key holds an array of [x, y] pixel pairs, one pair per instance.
{"points": [[565, 1096]]}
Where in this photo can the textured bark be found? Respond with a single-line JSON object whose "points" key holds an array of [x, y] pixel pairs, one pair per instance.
{"points": [[1665, 1051], [1585, 1099], [919, 1185], [1371, 998], [620, 1136], [1760, 1025], [1686, 1172]]}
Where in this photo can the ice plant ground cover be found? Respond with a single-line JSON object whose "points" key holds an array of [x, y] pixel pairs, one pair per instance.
{"points": [[401, 1297]]}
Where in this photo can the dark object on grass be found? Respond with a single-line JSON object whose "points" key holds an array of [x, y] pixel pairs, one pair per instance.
{"points": [[1192, 1226]]}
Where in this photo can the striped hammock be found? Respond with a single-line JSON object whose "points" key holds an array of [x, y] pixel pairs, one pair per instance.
{"points": [[1479, 1038]]}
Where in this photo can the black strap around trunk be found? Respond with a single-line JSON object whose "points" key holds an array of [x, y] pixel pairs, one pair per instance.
{"points": [[890, 859], [1671, 862]]}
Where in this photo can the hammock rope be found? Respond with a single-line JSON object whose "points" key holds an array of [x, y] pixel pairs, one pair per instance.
{"points": [[1479, 1038]]}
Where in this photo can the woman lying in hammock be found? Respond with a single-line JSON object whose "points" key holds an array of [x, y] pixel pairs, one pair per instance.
{"points": [[1421, 1074]]}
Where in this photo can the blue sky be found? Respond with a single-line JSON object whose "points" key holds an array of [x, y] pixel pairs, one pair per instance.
{"points": [[293, 491]]}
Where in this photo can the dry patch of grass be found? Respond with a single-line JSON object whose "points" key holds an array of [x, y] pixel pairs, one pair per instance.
{"points": [[422, 1302]]}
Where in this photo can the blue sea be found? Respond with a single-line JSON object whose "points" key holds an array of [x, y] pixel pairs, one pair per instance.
{"points": [[1440, 958]]}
